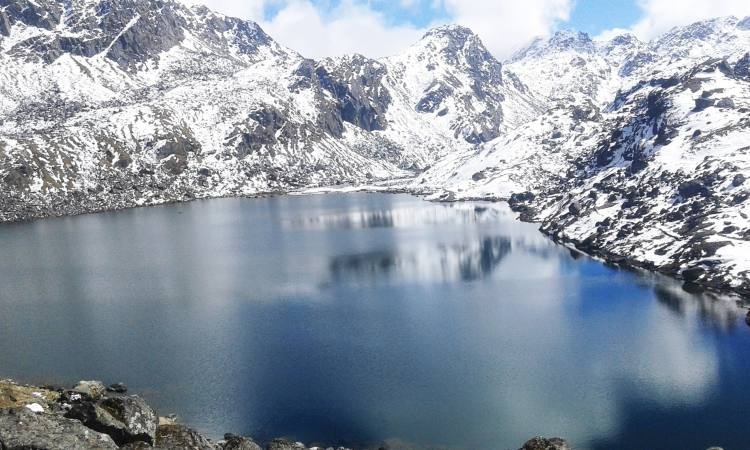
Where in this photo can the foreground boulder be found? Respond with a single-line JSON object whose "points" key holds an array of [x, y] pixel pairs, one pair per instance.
{"points": [[233, 442], [285, 444], [174, 436], [21, 429], [540, 443], [747, 319], [127, 418]]}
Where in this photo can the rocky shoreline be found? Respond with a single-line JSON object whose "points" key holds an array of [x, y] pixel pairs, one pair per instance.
{"points": [[91, 415]]}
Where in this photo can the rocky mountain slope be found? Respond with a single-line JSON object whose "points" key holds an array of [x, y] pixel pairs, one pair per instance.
{"points": [[635, 151], [641, 156], [113, 104]]}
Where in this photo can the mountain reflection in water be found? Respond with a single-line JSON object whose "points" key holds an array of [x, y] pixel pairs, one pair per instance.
{"points": [[442, 262]]}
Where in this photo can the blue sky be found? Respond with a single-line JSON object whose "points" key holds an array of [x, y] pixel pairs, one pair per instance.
{"points": [[597, 16]]}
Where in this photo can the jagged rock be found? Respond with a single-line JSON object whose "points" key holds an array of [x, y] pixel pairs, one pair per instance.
{"points": [[540, 443], [126, 418], [738, 180], [174, 437], [747, 319], [21, 429], [234, 442]]}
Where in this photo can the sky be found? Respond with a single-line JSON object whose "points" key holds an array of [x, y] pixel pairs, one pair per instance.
{"points": [[377, 28]]}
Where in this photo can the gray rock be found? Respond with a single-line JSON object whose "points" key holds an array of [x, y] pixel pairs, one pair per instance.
{"points": [[285, 444], [738, 180], [93, 389], [233, 442], [126, 418], [174, 436], [21, 429], [747, 319], [540, 443]]}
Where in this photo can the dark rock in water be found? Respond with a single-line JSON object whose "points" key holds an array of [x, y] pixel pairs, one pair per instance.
{"points": [[747, 319], [176, 436], [126, 418], [284, 444], [523, 197], [233, 442], [120, 388], [693, 274], [539, 443], [21, 429]]}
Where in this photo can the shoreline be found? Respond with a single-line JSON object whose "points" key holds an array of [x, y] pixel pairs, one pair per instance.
{"points": [[740, 293], [93, 415]]}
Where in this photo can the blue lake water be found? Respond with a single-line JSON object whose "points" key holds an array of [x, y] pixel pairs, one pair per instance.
{"points": [[367, 318]]}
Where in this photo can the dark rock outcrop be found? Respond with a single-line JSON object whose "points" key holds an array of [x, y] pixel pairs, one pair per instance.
{"points": [[127, 418]]}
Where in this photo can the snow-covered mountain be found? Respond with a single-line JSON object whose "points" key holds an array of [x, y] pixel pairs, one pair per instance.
{"points": [[111, 104], [636, 151], [641, 155]]}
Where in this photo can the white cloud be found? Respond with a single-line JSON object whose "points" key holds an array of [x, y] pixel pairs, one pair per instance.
{"points": [[349, 28], [506, 26], [659, 16], [353, 26]]}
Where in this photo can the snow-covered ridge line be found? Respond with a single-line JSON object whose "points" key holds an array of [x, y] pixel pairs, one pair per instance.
{"points": [[629, 149]]}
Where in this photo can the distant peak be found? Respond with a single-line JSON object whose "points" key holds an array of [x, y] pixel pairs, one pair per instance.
{"points": [[452, 31], [570, 38], [560, 41]]}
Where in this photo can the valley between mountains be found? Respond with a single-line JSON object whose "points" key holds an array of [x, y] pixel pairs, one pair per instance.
{"points": [[637, 152]]}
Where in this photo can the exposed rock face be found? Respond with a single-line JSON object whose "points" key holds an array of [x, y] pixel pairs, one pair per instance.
{"points": [[21, 429]]}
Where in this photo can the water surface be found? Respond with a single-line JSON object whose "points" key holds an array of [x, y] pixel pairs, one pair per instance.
{"points": [[363, 318]]}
